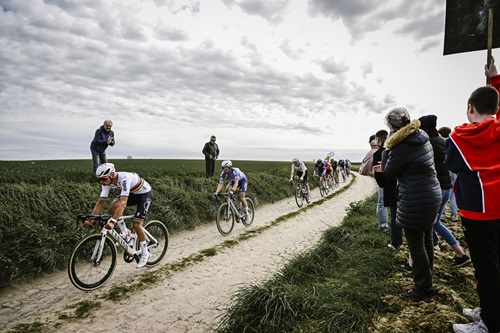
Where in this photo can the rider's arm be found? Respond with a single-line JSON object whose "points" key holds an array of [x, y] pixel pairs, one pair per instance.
{"points": [[99, 206], [219, 187], [120, 208]]}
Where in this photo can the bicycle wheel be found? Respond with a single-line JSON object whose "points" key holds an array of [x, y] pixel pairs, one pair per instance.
{"points": [[322, 187], [251, 211], [158, 248], [87, 272], [299, 199], [225, 219], [306, 196]]}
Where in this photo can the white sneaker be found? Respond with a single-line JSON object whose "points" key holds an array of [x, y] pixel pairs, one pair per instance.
{"points": [[477, 327], [143, 261], [472, 314]]}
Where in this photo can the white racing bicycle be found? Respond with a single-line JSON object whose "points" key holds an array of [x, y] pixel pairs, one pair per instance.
{"points": [[93, 259]]}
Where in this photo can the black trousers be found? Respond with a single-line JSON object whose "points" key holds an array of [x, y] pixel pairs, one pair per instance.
{"points": [[210, 167], [483, 239], [422, 253]]}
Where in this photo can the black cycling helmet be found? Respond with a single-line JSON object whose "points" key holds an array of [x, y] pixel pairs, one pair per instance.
{"points": [[319, 161]]}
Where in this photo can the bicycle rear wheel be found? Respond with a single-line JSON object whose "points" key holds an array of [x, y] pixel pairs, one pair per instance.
{"points": [[225, 219], [85, 270], [299, 199], [251, 211], [158, 248]]}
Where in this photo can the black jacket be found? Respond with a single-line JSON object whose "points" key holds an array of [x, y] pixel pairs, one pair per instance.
{"points": [[409, 158], [211, 149], [100, 141], [439, 147], [389, 185]]}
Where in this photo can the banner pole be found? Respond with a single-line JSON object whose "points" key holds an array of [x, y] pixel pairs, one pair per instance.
{"points": [[490, 40]]}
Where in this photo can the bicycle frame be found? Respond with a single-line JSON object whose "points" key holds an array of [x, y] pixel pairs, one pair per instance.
{"points": [[96, 255]]}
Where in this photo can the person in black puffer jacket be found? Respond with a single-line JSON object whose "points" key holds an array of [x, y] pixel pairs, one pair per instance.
{"points": [[428, 124], [409, 158]]}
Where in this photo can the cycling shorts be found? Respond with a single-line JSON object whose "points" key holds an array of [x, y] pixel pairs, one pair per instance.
{"points": [[329, 171], [299, 173], [143, 202], [242, 185]]}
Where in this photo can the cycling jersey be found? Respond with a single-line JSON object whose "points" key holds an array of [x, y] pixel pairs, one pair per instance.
{"points": [[320, 168], [128, 183], [302, 167], [328, 166], [235, 175]]}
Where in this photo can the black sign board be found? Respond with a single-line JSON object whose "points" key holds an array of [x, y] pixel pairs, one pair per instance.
{"points": [[466, 27]]}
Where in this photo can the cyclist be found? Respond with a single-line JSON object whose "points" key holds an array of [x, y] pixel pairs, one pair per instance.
{"points": [[301, 169], [135, 191], [320, 168], [342, 167], [236, 179], [348, 166], [335, 170], [329, 171]]}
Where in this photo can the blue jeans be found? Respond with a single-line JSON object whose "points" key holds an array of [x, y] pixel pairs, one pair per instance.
{"points": [[96, 157], [396, 230], [381, 210], [453, 202], [439, 228]]}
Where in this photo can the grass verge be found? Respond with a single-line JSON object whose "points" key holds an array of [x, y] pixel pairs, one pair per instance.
{"points": [[350, 283]]}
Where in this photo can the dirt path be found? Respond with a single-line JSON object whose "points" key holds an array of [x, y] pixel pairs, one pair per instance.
{"points": [[190, 300]]}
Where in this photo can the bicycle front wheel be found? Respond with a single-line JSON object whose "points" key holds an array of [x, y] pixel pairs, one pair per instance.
{"points": [[157, 242], [299, 199], [87, 269], [251, 211], [225, 219], [322, 188]]}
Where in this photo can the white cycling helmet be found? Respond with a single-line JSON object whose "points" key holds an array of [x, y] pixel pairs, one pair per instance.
{"points": [[104, 170], [226, 164], [295, 159]]}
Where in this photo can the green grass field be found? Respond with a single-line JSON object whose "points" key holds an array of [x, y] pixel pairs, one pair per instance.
{"points": [[40, 200]]}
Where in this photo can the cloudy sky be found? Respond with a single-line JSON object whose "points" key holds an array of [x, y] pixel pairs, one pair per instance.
{"points": [[272, 79]]}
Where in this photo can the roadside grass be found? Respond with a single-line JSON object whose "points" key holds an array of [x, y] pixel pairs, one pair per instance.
{"points": [[350, 283]]}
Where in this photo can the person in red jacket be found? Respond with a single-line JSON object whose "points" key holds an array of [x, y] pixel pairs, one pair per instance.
{"points": [[473, 152]]}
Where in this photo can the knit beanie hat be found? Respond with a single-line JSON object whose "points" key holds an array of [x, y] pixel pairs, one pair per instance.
{"points": [[428, 122]]}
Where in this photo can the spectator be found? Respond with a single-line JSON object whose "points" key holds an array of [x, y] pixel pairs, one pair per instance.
{"points": [[367, 163], [103, 138], [428, 124], [388, 192], [445, 133], [409, 158], [211, 152], [473, 152]]}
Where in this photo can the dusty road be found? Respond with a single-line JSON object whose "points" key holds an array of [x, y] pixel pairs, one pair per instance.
{"points": [[191, 299]]}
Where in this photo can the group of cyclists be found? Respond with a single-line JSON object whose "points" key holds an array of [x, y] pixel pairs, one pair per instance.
{"points": [[135, 191], [328, 168]]}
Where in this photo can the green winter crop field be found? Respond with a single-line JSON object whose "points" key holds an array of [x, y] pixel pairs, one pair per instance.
{"points": [[40, 199]]}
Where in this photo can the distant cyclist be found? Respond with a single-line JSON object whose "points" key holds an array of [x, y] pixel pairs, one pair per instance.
{"points": [[301, 169], [335, 170], [236, 179], [320, 168], [135, 191]]}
